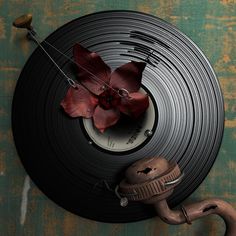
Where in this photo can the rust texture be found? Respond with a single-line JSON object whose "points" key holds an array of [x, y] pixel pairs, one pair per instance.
{"points": [[157, 169]]}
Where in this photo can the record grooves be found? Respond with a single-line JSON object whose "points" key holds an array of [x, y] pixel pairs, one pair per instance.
{"points": [[53, 147]]}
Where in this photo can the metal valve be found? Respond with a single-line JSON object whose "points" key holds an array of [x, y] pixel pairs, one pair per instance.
{"points": [[152, 181]]}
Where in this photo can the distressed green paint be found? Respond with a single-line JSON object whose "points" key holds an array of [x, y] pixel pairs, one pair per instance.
{"points": [[211, 24]]}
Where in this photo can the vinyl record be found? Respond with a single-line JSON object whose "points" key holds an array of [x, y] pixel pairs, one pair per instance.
{"points": [[71, 162]]}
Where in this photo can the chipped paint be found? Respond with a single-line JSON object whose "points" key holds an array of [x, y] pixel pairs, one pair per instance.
{"points": [[2, 161], [51, 220], [18, 39], [228, 86], [9, 86], [2, 112], [159, 226], [230, 123], [69, 224], [2, 28], [230, 196], [227, 2], [226, 58], [25, 46], [73, 7], [2, 137], [234, 135], [6, 136], [232, 165], [24, 201], [14, 32], [221, 18], [226, 52], [232, 68], [226, 106], [9, 68], [166, 8], [145, 8], [209, 26]]}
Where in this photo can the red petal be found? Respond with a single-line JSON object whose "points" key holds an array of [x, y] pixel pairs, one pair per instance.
{"points": [[93, 72], [105, 118], [79, 102], [135, 104], [128, 76]]}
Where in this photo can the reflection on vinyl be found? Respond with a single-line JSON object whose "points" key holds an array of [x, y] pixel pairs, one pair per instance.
{"points": [[71, 162]]}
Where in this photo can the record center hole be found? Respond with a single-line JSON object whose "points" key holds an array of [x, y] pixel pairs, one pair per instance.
{"points": [[145, 171]]}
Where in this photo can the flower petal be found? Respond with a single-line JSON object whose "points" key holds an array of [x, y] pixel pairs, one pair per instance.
{"points": [[135, 104], [79, 102], [128, 76], [94, 73], [105, 118]]}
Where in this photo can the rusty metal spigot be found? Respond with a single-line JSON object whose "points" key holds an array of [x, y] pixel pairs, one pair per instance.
{"points": [[152, 180], [23, 22]]}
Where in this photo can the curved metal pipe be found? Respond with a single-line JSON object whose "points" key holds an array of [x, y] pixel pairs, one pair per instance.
{"points": [[152, 181], [198, 210]]}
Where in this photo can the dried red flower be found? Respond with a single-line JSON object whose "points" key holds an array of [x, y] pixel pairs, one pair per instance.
{"points": [[98, 94]]}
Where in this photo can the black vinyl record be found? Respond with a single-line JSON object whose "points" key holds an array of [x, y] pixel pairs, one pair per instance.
{"points": [[62, 158]]}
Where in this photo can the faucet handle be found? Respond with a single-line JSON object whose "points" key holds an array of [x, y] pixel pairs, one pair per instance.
{"points": [[23, 21]]}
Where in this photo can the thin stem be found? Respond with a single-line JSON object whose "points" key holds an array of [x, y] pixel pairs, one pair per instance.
{"points": [[96, 79], [53, 61]]}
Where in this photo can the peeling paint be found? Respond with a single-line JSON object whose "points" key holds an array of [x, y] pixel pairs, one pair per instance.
{"points": [[226, 106], [226, 58], [227, 51], [24, 201], [232, 68], [166, 7], [69, 224], [73, 7], [227, 2], [233, 108], [2, 29], [160, 226], [2, 161], [6, 136], [230, 123], [2, 112], [13, 34], [144, 8], [25, 46], [234, 135], [209, 26], [232, 165], [228, 86], [35, 192], [8, 68], [221, 18], [228, 196], [9, 86], [51, 221]]}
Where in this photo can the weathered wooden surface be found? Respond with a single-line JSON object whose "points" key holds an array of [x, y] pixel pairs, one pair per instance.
{"points": [[24, 210]]}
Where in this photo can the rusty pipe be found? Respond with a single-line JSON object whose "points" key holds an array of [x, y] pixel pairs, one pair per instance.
{"points": [[198, 210], [152, 181]]}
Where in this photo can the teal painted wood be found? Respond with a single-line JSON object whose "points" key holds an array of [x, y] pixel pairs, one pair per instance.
{"points": [[210, 24]]}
